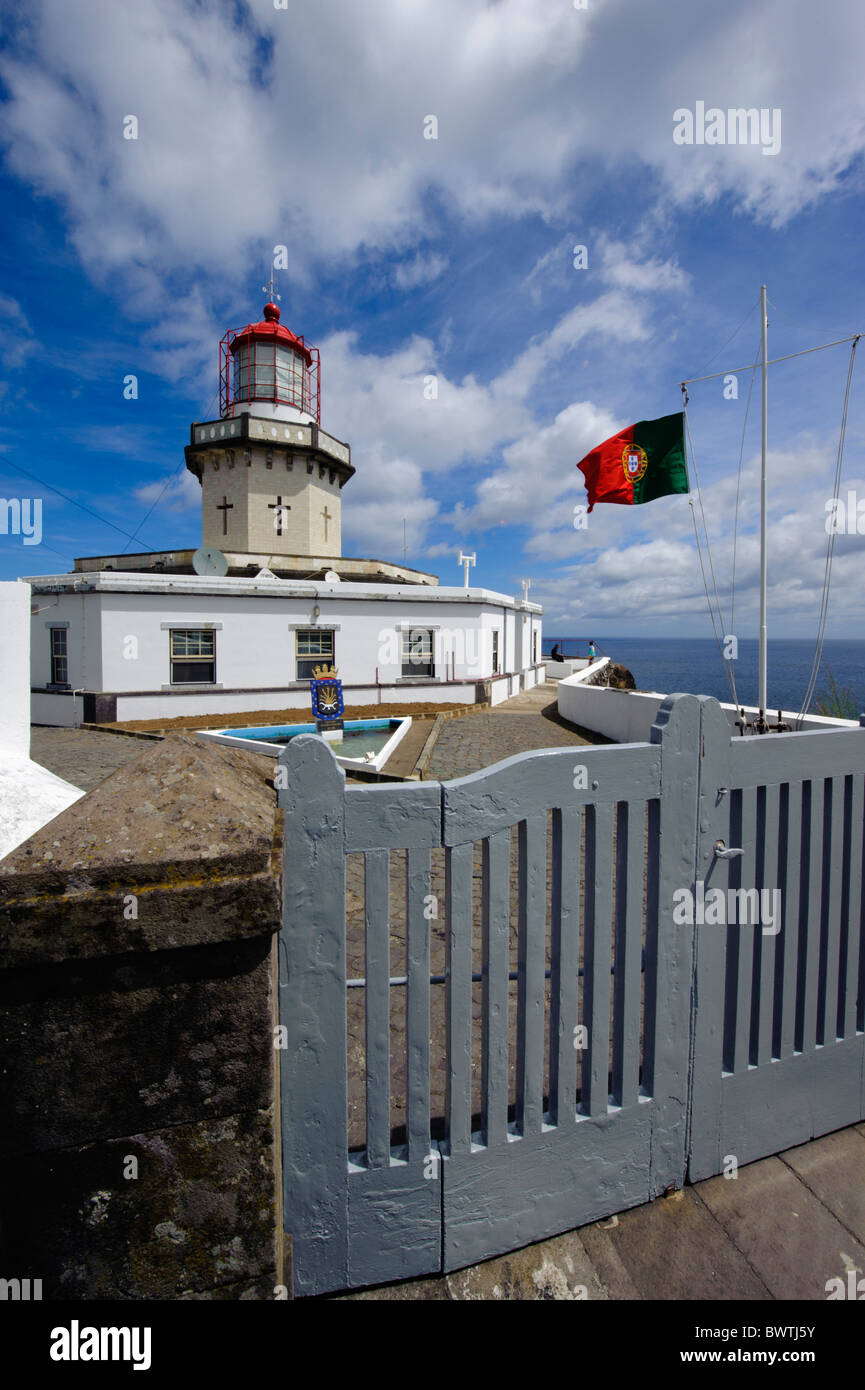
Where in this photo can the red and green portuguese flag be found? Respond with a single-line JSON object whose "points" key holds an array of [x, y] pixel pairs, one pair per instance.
{"points": [[645, 461]]}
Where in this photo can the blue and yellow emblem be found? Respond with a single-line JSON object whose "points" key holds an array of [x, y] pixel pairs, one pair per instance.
{"points": [[326, 691]]}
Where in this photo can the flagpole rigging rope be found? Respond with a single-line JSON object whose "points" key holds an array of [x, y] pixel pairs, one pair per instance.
{"points": [[808, 327], [788, 357], [830, 547], [719, 640], [733, 335]]}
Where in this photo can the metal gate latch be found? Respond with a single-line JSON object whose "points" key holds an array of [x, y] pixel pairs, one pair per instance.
{"points": [[721, 851]]}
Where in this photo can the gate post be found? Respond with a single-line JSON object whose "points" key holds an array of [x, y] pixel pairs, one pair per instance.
{"points": [[670, 958], [704, 1157], [312, 1015]]}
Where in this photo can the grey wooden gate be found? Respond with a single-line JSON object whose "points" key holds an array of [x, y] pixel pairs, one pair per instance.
{"points": [[585, 1044], [779, 1047]]}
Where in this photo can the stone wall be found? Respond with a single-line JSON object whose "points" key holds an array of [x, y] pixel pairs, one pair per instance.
{"points": [[138, 1124]]}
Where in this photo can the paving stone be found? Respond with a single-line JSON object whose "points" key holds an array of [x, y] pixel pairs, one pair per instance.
{"points": [[673, 1249], [789, 1237], [834, 1169], [557, 1269], [608, 1264]]}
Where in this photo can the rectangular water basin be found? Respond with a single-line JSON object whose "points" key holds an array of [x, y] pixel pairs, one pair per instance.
{"points": [[366, 743]]}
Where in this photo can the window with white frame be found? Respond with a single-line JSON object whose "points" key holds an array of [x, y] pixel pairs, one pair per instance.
{"points": [[193, 656], [495, 651], [314, 647], [59, 656], [418, 658]]}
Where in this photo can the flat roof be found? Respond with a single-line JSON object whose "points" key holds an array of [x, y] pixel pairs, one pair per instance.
{"points": [[114, 582]]}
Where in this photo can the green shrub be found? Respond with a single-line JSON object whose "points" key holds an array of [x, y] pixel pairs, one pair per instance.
{"points": [[838, 702]]}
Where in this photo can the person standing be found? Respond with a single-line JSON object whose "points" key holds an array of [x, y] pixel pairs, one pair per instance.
{"points": [[592, 651]]}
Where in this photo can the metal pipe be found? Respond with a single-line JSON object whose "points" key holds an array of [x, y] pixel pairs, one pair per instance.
{"points": [[762, 700]]}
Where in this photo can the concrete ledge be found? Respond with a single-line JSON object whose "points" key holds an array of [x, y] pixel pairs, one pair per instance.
{"points": [[180, 847]]}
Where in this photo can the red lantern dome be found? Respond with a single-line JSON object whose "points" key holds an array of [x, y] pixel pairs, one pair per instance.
{"points": [[266, 366]]}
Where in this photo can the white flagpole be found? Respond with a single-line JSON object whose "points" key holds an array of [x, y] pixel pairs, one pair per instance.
{"points": [[764, 329]]}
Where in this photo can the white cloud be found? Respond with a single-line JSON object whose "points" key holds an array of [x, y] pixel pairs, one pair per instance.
{"points": [[621, 269], [420, 270], [632, 562], [239, 150], [538, 481], [17, 340], [388, 508], [177, 494]]}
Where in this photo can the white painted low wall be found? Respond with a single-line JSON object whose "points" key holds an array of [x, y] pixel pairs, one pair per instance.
{"points": [[49, 707], [560, 670], [30, 795], [627, 716]]}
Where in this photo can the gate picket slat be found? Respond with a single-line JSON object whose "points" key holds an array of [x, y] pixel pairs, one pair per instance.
{"points": [[417, 871], [530, 973], [564, 965], [767, 835], [790, 906], [810, 909], [377, 1011], [630, 837], [597, 954], [494, 969], [745, 876], [854, 906], [652, 979], [833, 865], [458, 876]]}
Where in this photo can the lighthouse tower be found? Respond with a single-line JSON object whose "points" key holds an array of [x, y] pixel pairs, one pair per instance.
{"points": [[271, 478]]}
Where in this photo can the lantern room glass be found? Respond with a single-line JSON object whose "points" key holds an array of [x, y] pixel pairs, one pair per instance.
{"points": [[272, 372]]}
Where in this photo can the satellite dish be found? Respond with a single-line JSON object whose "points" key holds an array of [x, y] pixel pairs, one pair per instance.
{"points": [[209, 561], [331, 577]]}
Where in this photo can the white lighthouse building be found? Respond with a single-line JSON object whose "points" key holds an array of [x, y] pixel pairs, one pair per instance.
{"points": [[271, 478], [239, 624]]}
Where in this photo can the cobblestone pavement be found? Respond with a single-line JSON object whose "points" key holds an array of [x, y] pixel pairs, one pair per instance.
{"points": [[83, 756], [468, 744], [474, 741]]}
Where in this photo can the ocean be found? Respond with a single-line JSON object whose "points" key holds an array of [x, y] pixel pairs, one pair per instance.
{"points": [[694, 665]]}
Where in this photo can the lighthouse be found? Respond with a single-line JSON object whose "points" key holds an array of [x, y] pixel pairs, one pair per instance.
{"points": [[271, 477], [181, 632]]}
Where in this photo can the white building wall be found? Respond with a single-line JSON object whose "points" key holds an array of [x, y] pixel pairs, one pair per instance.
{"points": [[30, 795], [14, 645], [80, 612], [119, 642]]}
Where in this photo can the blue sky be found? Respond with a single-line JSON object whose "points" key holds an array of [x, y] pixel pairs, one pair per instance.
{"points": [[453, 257]]}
